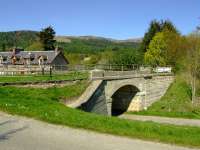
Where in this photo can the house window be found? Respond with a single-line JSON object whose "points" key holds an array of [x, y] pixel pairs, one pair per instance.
{"points": [[32, 58], [18, 59], [4, 58], [45, 58]]}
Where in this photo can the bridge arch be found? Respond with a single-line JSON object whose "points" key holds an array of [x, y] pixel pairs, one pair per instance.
{"points": [[122, 98]]}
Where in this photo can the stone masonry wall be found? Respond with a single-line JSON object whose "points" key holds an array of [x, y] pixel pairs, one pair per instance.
{"points": [[150, 90], [156, 88]]}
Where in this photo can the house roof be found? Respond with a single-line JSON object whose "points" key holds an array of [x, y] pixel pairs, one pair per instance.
{"points": [[33, 55]]}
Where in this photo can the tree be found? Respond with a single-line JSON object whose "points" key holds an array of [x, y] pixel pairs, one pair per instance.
{"points": [[174, 47], [47, 38], [193, 61], [169, 26], [153, 29], [127, 57], [3, 47], [198, 27], [35, 46], [155, 53]]}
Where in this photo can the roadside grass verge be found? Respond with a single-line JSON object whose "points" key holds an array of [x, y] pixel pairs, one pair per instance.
{"points": [[36, 78], [175, 103], [18, 94], [43, 105]]}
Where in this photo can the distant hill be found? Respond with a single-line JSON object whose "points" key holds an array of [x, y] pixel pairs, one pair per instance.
{"points": [[90, 37], [78, 44]]}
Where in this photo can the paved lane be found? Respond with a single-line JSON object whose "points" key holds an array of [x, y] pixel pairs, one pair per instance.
{"points": [[18, 133], [167, 120]]}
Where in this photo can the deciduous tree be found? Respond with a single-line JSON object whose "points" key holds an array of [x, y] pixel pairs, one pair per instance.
{"points": [[155, 27], [193, 61]]}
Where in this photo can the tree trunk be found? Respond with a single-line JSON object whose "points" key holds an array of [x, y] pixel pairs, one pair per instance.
{"points": [[193, 89]]}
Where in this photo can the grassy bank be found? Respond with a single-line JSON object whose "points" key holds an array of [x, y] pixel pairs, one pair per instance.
{"points": [[175, 103], [42, 104], [34, 78]]}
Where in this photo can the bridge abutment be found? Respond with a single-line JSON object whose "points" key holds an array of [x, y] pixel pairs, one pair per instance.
{"points": [[138, 102]]}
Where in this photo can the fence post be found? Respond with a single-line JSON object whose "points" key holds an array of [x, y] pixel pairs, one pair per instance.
{"points": [[50, 72], [42, 70], [133, 66]]}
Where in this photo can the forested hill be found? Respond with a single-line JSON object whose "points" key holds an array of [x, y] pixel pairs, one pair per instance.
{"points": [[17, 38], [82, 44]]}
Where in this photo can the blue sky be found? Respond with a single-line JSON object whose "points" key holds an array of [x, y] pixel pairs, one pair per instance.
{"points": [[119, 19]]}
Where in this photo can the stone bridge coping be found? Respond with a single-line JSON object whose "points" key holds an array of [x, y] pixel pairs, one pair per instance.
{"points": [[137, 75]]}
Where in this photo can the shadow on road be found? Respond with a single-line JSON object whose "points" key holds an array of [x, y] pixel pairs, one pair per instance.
{"points": [[7, 122], [7, 135]]}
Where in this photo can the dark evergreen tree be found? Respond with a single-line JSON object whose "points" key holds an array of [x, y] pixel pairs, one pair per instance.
{"points": [[153, 29], [3, 47], [168, 25], [47, 38], [198, 28]]}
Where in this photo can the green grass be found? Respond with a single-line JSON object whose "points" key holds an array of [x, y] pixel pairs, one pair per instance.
{"points": [[175, 103], [42, 104], [35, 78]]}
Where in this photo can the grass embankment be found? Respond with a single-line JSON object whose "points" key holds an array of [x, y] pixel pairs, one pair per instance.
{"points": [[42, 104], [175, 103], [36, 78]]}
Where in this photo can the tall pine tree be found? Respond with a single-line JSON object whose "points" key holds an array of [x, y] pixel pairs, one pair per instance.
{"points": [[47, 38], [153, 29], [169, 26]]}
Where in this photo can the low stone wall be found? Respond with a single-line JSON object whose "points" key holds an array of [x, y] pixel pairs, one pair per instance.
{"points": [[40, 84]]}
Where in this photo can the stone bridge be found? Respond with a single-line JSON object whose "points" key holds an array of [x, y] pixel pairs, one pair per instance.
{"points": [[114, 93]]}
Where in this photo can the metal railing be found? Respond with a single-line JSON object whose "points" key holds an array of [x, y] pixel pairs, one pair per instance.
{"points": [[12, 70]]}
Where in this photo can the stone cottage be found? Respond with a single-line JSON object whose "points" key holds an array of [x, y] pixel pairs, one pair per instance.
{"points": [[19, 57]]}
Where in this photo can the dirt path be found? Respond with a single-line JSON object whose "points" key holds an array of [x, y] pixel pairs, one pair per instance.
{"points": [[18, 133], [175, 121]]}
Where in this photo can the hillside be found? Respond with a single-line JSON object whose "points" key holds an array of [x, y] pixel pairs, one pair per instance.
{"points": [[20, 39], [80, 44], [91, 44]]}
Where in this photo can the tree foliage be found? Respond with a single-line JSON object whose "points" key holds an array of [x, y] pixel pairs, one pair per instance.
{"points": [[46, 37], [91, 46], [167, 25], [193, 62], [155, 27], [155, 53], [127, 57], [175, 47], [35, 46], [3, 47], [21, 39]]}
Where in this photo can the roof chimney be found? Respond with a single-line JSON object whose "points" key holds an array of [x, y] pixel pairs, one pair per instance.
{"points": [[57, 50], [16, 50]]}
